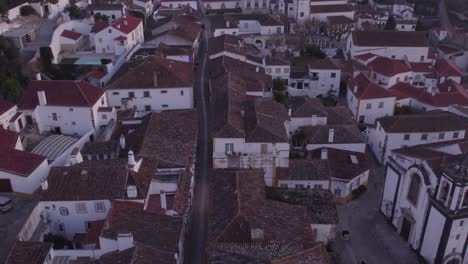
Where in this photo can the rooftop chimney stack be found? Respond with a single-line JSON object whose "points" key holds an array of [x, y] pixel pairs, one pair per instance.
{"points": [[132, 191], [289, 112], [42, 97], [38, 76], [257, 69], [163, 200], [314, 120], [355, 88], [122, 141], [131, 159], [228, 24], [324, 154], [44, 184], [331, 135]]}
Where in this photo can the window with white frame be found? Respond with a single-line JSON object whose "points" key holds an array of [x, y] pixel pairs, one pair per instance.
{"points": [[100, 206], [63, 211], [81, 208]]}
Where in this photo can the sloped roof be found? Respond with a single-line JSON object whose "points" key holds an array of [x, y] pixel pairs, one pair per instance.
{"points": [[390, 38], [389, 67], [366, 88], [339, 8], [307, 107], [20, 163], [343, 134], [61, 93], [139, 254], [125, 24], [315, 255], [443, 98], [28, 252], [71, 34], [5, 106], [153, 72], [238, 205], [432, 121], [160, 232], [85, 183], [446, 67]]}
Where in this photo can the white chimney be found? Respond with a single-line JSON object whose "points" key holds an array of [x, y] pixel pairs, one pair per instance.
{"points": [[449, 88], [324, 154], [122, 141], [155, 79], [331, 135], [44, 184], [124, 241], [38, 76], [131, 159], [132, 191], [257, 69], [228, 24], [263, 62], [289, 112], [42, 97], [355, 88], [75, 156], [433, 93], [163, 200], [314, 120]]}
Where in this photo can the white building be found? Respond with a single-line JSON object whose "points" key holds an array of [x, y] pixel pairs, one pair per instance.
{"points": [[317, 78], [246, 24], [321, 10], [179, 4], [153, 85], [112, 11], [119, 37], [368, 101], [278, 68], [394, 132], [10, 118], [390, 44], [64, 107], [213, 5], [20, 171], [426, 199], [261, 143]]}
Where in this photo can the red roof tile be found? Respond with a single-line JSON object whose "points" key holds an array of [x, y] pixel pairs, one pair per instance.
{"points": [[442, 99], [366, 88], [61, 93], [21, 163], [120, 38], [446, 67], [126, 24], [421, 67], [5, 106], [389, 67], [390, 38], [105, 109], [71, 34], [365, 56], [96, 74]]}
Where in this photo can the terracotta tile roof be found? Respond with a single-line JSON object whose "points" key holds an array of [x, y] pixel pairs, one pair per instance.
{"points": [[339, 20], [120, 38], [99, 26], [20, 163], [125, 24], [343, 134], [389, 67], [265, 121], [154, 72], [320, 204], [61, 93], [239, 207], [5, 106], [446, 67], [341, 165], [254, 252], [169, 137], [366, 88], [81, 183], [443, 98], [306, 107], [139, 254], [105, 109], [390, 38], [365, 56], [431, 121], [232, 44], [96, 74], [340, 115], [423, 67], [94, 230], [28, 252], [316, 255], [305, 170], [71, 35], [160, 232], [339, 8]]}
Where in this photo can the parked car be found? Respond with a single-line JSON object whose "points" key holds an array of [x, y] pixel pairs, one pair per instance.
{"points": [[5, 204]]}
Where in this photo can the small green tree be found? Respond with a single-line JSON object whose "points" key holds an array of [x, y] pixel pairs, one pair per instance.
{"points": [[11, 88], [73, 11], [391, 23], [27, 11], [278, 85], [419, 26], [54, 2], [313, 51], [100, 17]]}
